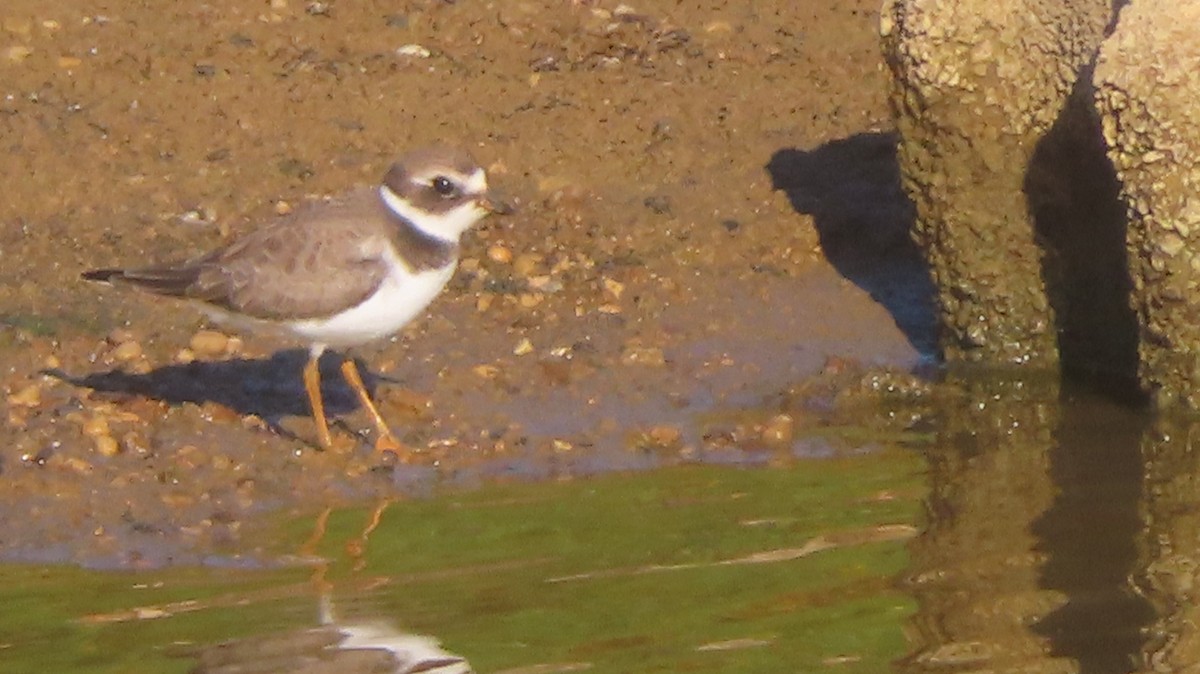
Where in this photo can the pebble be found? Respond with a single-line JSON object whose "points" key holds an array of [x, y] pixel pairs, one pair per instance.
{"points": [[569, 198], [78, 465], [17, 54], [779, 430], [254, 422], [643, 355], [545, 283], [127, 351], [178, 501], [543, 64], [29, 396], [135, 442], [120, 335], [497, 168], [96, 426], [530, 300], [486, 371], [499, 253], [209, 343], [665, 435], [220, 413], [318, 8], [664, 129], [413, 51], [525, 265], [106, 445], [612, 288]]}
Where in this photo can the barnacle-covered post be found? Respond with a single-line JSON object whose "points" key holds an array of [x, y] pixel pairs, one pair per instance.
{"points": [[1147, 85], [976, 88]]}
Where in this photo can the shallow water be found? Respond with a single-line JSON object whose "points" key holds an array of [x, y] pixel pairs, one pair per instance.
{"points": [[1017, 525], [690, 569], [1035, 526]]}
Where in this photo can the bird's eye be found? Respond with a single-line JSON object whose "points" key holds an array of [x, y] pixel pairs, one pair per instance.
{"points": [[444, 186]]}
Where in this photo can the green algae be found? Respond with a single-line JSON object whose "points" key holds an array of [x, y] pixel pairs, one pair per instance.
{"points": [[701, 569]]}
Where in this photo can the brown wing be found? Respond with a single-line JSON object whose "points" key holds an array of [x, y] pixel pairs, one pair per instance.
{"points": [[308, 265]]}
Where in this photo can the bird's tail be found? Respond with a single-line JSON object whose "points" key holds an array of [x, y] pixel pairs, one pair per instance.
{"points": [[165, 280]]}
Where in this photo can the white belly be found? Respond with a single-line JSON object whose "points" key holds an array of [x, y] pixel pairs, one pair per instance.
{"points": [[399, 299]]}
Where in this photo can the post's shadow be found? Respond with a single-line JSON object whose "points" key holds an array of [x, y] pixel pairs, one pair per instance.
{"points": [[851, 187], [269, 388], [1074, 200]]}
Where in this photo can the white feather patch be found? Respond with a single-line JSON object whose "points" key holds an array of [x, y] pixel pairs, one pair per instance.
{"points": [[399, 299], [448, 226]]}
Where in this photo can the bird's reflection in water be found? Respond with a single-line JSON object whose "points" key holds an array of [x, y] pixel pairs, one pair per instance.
{"points": [[341, 643]]}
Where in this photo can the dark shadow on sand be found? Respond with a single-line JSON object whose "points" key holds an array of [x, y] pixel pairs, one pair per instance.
{"points": [[269, 388], [851, 187]]}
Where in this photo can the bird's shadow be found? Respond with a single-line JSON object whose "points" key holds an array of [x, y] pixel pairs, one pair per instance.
{"points": [[851, 187], [270, 388]]}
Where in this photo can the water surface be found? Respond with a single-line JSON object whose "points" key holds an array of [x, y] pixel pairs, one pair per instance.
{"points": [[697, 568]]}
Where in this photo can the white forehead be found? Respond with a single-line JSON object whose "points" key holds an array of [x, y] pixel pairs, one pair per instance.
{"points": [[473, 183]]}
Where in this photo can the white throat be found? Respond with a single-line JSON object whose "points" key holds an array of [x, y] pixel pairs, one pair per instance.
{"points": [[448, 226]]}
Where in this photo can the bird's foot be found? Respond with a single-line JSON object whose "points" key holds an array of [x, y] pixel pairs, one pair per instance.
{"points": [[387, 442]]}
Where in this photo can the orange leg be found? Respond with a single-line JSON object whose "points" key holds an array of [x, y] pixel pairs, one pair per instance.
{"points": [[386, 442], [357, 548], [312, 384]]}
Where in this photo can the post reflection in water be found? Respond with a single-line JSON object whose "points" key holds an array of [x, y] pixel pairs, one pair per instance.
{"points": [[1036, 523], [1091, 535], [1170, 544]]}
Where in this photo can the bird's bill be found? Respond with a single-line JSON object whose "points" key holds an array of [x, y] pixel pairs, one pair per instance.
{"points": [[493, 203]]}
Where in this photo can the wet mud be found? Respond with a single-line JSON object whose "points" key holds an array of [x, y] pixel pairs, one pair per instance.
{"points": [[710, 257]]}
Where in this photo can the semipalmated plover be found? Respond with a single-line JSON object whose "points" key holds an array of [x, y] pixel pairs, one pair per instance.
{"points": [[339, 273]]}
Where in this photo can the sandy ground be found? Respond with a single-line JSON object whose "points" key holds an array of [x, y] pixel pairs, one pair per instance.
{"points": [[711, 244]]}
